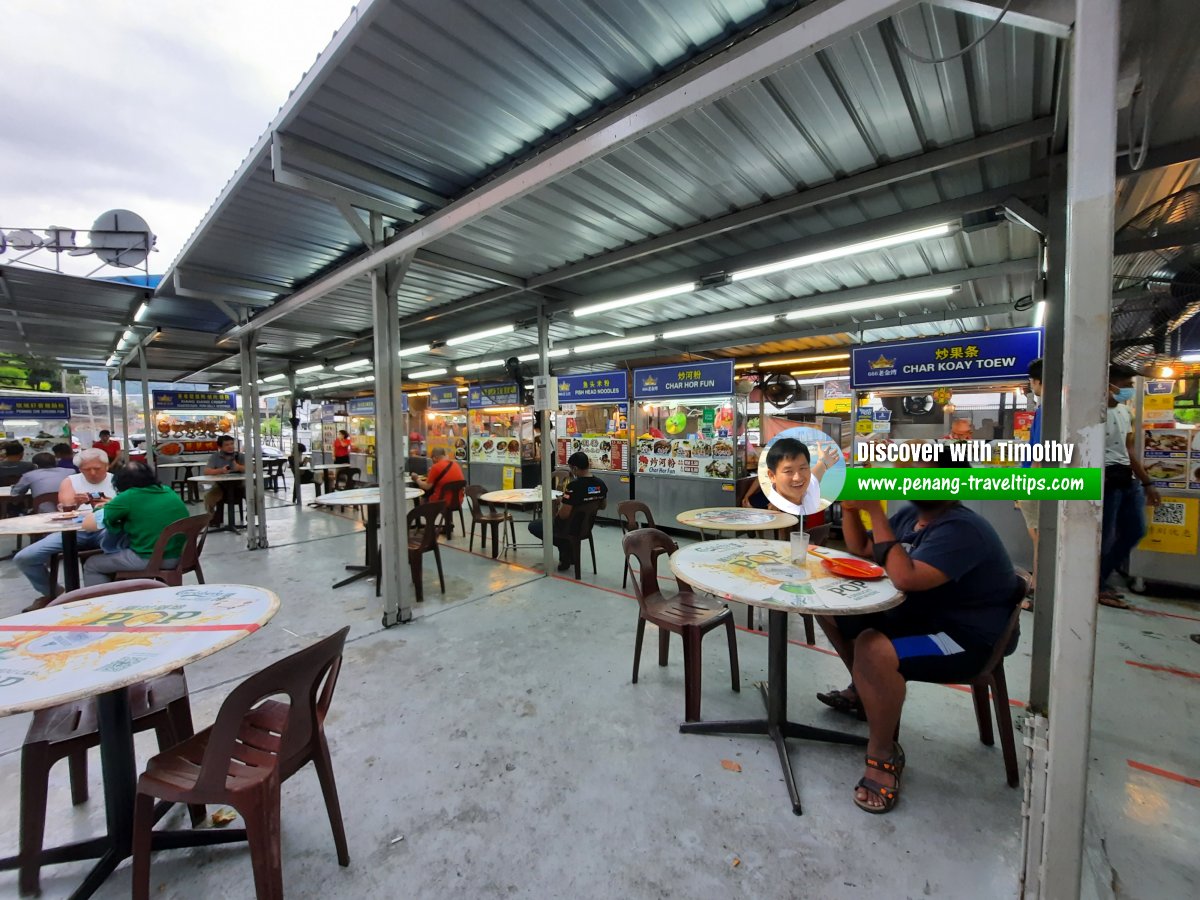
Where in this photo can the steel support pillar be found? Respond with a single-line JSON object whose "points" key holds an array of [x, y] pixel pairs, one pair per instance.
{"points": [[256, 525], [294, 421], [389, 437], [127, 444], [112, 411], [1092, 139], [547, 421], [148, 432]]}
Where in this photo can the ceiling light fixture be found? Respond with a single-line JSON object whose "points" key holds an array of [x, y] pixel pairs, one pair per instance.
{"points": [[409, 351], [485, 364], [141, 312], [633, 299], [808, 259], [800, 360], [530, 357], [426, 373], [232, 390], [619, 342], [278, 376], [480, 335], [419, 394], [1039, 314], [756, 322], [353, 364], [308, 370], [816, 311]]}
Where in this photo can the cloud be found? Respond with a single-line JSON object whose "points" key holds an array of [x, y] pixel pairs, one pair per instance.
{"points": [[149, 107]]}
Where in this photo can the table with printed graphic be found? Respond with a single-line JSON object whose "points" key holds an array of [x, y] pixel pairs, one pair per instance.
{"points": [[46, 523], [369, 498], [524, 499], [734, 518], [760, 573], [98, 648]]}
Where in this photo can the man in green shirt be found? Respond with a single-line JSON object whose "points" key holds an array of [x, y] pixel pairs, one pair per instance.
{"points": [[140, 512]]}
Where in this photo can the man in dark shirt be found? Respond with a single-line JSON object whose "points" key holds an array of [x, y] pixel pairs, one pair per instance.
{"points": [[960, 586], [583, 488], [14, 465], [64, 457], [226, 461]]}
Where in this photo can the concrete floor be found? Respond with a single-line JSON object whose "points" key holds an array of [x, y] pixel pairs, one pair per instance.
{"points": [[496, 748]]}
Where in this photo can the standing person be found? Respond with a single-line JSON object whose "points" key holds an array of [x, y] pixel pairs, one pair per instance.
{"points": [[105, 442], [1127, 487], [14, 465], [93, 485], [342, 448], [583, 488], [141, 510], [224, 462], [45, 478], [64, 457], [1030, 508]]}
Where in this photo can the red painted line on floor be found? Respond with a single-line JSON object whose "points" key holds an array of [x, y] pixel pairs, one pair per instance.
{"points": [[1164, 615], [1168, 669], [132, 629], [1163, 773]]}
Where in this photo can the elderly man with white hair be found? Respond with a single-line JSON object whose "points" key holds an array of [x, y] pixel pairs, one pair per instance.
{"points": [[92, 486]]}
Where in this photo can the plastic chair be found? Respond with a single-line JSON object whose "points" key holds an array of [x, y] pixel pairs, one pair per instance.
{"points": [[255, 744], [452, 494], [685, 614], [741, 488], [560, 477], [70, 730], [991, 680], [579, 529], [194, 529], [628, 511], [44, 503], [491, 517], [424, 522], [346, 479]]}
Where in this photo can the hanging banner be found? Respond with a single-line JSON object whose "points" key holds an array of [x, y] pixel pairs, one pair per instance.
{"points": [[990, 356], [35, 407], [194, 401], [705, 379], [592, 388], [481, 396], [443, 398]]}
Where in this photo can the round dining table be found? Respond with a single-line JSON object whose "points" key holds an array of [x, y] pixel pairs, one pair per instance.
{"points": [[761, 573], [98, 648], [522, 498], [736, 519], [367, 497], [66, 524]]}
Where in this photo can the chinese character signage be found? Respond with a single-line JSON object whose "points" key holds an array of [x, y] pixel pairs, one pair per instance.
{"points": [[1172, 526], [704, 379], [481, 396], [361, 406], [47, 407], [590, 388], [445, 398], [991, 356], [194, 401]]}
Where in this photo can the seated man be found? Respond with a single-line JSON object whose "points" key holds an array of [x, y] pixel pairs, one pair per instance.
{"points": [[106, 443], [960, 586], [444, 471], [64, 457], [960, 430], [582, 489], [92, 486], [224, 462], [795, 482], [14, 464], [139, 512], [46, 478]]}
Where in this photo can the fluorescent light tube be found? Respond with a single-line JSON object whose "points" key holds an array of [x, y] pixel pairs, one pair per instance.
{"points": [[426, 373], [645, 297], [809, 259], [308, 370], [353, 364], [141, 312], [529, 357], [756, 322], [816, 311], [1039, 314], [409, 351], [278, 376], [619, 342], [471, 367], [480, 335]]}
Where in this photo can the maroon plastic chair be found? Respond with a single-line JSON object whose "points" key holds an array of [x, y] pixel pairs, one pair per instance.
{"points": [[256, 743], [424, 522], [684, 613], [484, 515], [70, 730], [195, 530], [628, 510], [453, 493]]}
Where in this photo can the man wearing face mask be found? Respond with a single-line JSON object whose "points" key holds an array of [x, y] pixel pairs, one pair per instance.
{"points": [[960, 585], [1127, 487]]}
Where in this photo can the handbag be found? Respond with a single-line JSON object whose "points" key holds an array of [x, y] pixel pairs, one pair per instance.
{"points": [[1118, 477]]}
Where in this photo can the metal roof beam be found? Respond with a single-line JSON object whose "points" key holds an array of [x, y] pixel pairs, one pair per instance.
{"points": [[1052, 17], [1160, 158], [1161, 241], [808, 30], [204, 286]]}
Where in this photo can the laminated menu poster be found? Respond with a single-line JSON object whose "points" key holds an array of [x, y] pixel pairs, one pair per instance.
{"points": [[604, 452], [485, 448], [700, 457], [1165, 457], [1194, 462]]}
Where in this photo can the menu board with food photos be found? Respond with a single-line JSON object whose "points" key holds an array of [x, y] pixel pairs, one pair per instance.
{"points": [[1165, 455], [500, 449], [604, 452], [1194, 462], [701, 457]]}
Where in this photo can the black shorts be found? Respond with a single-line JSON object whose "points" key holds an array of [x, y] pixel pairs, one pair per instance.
{"points": [[928, 651], [341, 460]]}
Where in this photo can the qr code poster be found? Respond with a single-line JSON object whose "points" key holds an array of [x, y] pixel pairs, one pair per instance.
{"points": [[1172, 526]]}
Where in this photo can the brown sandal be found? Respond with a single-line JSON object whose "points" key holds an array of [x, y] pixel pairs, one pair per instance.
{"points": [[889, 794]]}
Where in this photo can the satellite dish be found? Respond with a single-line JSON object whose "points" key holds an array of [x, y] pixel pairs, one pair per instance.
{"points": [[122, 238]]}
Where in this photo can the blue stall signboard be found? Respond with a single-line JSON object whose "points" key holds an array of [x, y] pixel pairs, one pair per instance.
{"points": [[444, 398], [361, 406], [593, 388], [481, 396], [706, 379], [989, 356], [35, 407], [194, 401]]}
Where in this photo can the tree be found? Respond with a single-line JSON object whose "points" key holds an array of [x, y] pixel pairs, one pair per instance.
{"points": [[29, 373]]}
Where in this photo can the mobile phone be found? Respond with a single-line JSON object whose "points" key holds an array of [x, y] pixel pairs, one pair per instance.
{"points": [[95, 496]]}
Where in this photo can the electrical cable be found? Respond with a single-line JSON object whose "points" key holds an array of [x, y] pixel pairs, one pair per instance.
{"points": [[937, 61]]}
